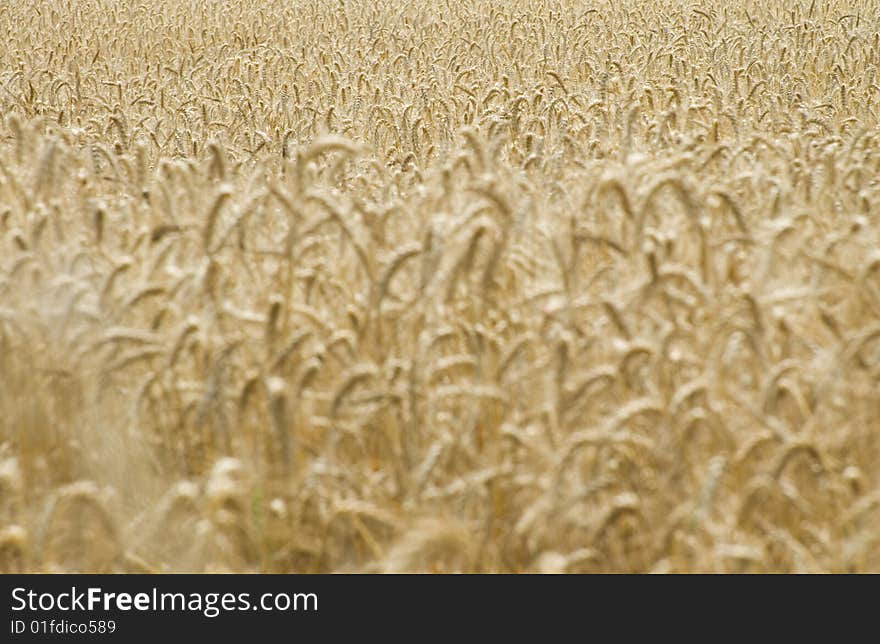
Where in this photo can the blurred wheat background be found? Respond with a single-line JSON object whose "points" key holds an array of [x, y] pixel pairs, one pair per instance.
{"points": [[463, 286]]}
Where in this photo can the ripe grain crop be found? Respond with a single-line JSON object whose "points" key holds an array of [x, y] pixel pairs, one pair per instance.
{"points": [[522, 285]]}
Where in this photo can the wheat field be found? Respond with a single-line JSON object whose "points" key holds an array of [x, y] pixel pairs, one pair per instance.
{"points": [[464, 286]]}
